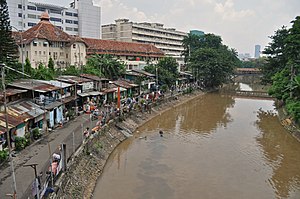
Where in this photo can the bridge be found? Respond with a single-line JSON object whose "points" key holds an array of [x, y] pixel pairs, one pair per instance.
{"points": [[255, 94], [247, 71]]}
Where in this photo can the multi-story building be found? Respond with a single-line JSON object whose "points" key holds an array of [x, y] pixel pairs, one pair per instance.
{"points": [[257, 51], [82, 18], [133, 55], [169, 40], [45, 40]]}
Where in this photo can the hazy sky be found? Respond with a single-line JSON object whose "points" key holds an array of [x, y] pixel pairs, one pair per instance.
{"points": [[241, 23]]}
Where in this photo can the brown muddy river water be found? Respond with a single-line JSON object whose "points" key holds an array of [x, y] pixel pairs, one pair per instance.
{"points": [[213, 147]]}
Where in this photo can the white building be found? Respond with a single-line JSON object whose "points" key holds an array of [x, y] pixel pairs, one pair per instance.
{"points": [[169, 40], [82, 18], [45, 40]]}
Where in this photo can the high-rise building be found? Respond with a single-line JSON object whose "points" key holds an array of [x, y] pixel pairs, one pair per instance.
{"points": [[169, 40], [197, 32], [82, 18], [257, 51]]}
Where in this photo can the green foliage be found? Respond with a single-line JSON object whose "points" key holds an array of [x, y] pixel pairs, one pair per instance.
{"points": [[51, 64], [3, 155], [71, 70], [104, 66], [293, 108], [27, 67], [167, 71], [283, 67], [43, 73], [211, 62], [254, 63], [36, 133], [279, 88], [8, 48], [21, 143], [277, 59]]}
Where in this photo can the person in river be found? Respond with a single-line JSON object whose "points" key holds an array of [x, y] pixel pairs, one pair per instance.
{"points": [[161, 133]]}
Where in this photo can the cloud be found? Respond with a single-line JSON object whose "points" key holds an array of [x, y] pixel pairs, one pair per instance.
{"points": [[228, 12]]}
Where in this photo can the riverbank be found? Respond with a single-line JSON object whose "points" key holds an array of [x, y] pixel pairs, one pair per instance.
{"points": [[288, 123], [81, 177]]}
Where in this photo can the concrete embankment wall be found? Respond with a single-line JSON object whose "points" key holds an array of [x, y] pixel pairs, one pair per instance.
{"points": [[82, 174]]}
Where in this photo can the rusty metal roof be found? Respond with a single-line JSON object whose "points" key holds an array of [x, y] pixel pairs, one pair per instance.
{"points": [[73, 79], [34, 85], [124, 84], [94, 77], [11, 92], [11, 120], [24, 110], [143, 72]]}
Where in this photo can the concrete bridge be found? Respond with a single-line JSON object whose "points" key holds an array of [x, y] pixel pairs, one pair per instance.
{"points": [[247, 94], [248, 71]]}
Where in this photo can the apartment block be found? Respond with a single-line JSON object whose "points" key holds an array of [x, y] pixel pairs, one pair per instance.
{"points": [[169, 40], [82, 18]]}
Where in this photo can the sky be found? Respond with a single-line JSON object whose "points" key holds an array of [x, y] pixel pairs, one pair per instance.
{"points": [[242, 24]]}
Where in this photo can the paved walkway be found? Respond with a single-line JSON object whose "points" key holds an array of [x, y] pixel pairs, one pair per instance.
{"points": [[38, 153]]}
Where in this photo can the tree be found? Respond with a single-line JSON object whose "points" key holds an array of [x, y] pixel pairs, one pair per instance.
{"points": [[71, 70], [8, 48], [27, 67], [105, 65], [167, 70], [277, 58], [190, 44], [51, 64], [43, 73], [211, 62]]}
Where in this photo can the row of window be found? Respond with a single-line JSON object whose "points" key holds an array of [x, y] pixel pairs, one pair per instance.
{"points": [[55, 54], [71, 29], [42, 9], [71, 21]]}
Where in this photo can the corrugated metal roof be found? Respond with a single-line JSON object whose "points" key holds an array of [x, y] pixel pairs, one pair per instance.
{"points": [[73, 79], [56, 83], [143, 72], [24, 110], [33, 84], [124, 84], [11, 120], [93, 77], [92, 93], [11, 91]]}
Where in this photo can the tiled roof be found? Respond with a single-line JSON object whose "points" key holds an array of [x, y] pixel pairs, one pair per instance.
{"points": [[44, 30], [100, 46]]}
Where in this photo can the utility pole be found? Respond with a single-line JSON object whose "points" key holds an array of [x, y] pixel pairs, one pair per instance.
{"points": [[36, 178], [7, 133], [3, 66]]}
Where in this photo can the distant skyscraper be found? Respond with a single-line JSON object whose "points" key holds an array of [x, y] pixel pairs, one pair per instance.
{"points": [[257, 51]]}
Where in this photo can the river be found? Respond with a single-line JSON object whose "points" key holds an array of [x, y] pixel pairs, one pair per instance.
{"points": [[215, 146]]}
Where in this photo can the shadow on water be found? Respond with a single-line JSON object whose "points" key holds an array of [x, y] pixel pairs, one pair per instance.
{"points": [[281, 151]]}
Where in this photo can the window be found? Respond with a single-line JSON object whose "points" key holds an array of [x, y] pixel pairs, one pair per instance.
{"points": [[75, 14], [40, 52], [44, 52], [34, 43], [31, 7], [45, 44], [74, 45], [55, 19], [67, 55], [69, 29], [55, 11], [20, 15], [19, 6], [69, 14], [68, 21], [41, 9], [35, 52], [31, 16], [75, 22], [76, 29], [31, 24]]}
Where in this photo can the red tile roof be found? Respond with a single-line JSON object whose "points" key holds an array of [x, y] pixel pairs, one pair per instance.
{"points": [[100, 46]]}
